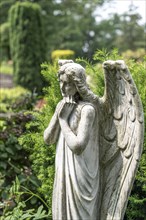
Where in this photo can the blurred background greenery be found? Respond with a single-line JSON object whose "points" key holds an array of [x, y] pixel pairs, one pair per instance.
{"points": [[35, 31], [33, 36]]}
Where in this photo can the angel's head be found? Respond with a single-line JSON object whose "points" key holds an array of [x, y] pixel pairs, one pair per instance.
{"points": [[72, 80]]}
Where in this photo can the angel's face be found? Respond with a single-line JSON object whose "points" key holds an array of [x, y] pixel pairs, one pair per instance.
{"points": [[67, 86]]}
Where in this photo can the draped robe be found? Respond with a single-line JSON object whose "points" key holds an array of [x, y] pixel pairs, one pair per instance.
{"points": [[76, 184]]}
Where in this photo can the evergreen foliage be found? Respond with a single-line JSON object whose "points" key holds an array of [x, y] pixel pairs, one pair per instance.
{"points": [[137, 201], [137, 55], [4, 42], [41, 155], [27, 44], [4, 8], [19, 211]]}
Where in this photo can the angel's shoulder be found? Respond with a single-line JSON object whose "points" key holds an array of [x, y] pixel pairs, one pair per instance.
{"points": [[87, 109]]}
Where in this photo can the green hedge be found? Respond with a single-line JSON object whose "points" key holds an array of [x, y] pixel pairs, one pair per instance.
{"points": [[62, 54], [27, 42], [4, 42]]}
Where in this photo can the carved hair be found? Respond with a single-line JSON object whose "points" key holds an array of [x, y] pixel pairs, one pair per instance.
{"points": [[76, 73]]}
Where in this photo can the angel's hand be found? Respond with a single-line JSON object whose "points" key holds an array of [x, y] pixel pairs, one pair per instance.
{"points": [[66, 107], [59, 106]]}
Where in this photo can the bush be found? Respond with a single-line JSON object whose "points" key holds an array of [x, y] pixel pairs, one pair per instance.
{"points": [[137, 201], [62, 54], [137, 55], [14, 163], [4, 8], [27, 42], [9, 98], [42, 156], [4, 42], [16, 209], [6, 67]]}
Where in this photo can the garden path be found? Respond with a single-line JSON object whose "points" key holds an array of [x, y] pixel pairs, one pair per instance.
{"points": [[6, 81]]}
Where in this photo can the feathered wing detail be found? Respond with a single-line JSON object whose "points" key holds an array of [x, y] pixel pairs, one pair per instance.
{"points": [[121, 139]]}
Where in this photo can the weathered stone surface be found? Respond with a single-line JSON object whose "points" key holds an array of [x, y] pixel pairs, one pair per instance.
{"points": [[99, 143]]}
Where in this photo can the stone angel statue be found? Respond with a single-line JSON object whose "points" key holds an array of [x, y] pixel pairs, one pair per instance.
{"points": [[99, 143]]}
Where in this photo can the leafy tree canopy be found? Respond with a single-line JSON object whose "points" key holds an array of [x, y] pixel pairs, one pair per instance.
{"points": [[72, 25]]}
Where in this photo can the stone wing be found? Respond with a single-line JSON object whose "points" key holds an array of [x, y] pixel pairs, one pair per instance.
{"points": [[121, 138]]}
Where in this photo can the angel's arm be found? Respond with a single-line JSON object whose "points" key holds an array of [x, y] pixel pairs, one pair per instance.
{"points": [[51, 133], [78, 142]]}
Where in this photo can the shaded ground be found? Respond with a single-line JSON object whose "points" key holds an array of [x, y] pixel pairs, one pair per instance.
{"points": [[6, 81]]}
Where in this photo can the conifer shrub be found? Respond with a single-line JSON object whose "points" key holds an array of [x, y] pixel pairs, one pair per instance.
{"points": [[4, 42], [137, 201], [27, 43], [42, 156], [4, 9]]}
